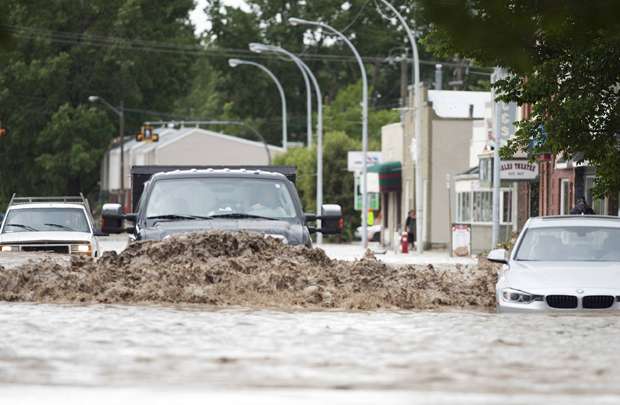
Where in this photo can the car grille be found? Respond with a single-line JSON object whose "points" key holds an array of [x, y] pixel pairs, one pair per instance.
{"points": [[45, 248], [597, 301], [562, 301]]}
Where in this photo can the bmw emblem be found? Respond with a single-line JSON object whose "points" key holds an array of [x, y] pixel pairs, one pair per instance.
{"points": [[580, 291]]}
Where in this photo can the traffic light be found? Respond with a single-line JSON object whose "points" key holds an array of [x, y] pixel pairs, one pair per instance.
{"points": [[147, 134]]}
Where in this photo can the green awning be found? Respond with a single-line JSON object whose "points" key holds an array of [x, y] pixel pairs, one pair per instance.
{"points": [[389, 176]]}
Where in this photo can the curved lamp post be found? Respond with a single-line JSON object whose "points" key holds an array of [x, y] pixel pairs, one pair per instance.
{"points": [[319, 129], [120, 111], [299, 21], [260, 48], [236, 62], [419, 189]]}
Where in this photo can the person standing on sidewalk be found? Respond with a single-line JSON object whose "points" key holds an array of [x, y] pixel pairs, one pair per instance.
{"points": [[410, 225]]}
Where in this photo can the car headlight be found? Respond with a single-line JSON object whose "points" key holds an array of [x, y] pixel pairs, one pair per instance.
{"points": [[82, 248], [9, 248], [519, 297]]}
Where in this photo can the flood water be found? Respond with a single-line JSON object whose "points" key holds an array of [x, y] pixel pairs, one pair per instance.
{"points": [[122, 354]]}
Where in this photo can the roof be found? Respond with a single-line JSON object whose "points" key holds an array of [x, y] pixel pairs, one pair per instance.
{"points": [[455, 104], [219, 173], [574, 220]]}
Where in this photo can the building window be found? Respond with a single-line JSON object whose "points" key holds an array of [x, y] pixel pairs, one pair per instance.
{"points": [[598, 204], [565, 197], [483, 206], [463, 207]]}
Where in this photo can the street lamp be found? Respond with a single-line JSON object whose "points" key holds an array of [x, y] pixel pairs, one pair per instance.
{"points": [[319, 130], [419, 190], [120, 111], [260, 48], [236, 62], [299, 21]]}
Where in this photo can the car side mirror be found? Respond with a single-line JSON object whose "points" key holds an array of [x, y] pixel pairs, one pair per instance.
{"points": [[331, 219], [100, 233], [498, 256]]}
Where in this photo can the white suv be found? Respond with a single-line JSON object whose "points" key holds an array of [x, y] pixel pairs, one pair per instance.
{"points": [[49, 224]]}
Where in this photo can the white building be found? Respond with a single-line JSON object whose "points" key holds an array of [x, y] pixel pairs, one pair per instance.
{"points": [[185, 146]]}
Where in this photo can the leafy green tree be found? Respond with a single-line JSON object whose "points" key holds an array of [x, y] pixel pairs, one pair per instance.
{"points": [[64, 52], [565, 61], [337, 181]]}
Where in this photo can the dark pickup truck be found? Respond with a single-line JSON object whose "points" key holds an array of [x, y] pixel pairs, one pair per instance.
{"points": [[171, 200]]}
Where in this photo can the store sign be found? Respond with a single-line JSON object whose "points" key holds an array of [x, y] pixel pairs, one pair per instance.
{"points": [[355, 160], [518, 170]]}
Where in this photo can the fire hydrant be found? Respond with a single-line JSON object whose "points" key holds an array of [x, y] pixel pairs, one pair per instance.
{"points": [[404, 243]]}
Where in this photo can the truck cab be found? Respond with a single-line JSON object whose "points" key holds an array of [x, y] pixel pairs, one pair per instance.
{"points": [[224, 199]]}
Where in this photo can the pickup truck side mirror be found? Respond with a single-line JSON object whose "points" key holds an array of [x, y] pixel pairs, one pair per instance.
{"points": [[331, 220], [113, 218]]}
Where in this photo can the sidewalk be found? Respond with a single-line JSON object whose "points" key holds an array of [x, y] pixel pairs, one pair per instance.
{"points": [[354, 251]]}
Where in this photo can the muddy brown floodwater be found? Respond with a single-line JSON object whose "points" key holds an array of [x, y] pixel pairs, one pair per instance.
{"points": [[221, 318], [243, 269]]}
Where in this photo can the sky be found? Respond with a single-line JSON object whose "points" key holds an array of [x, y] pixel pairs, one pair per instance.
{"points": [[198, 16]]}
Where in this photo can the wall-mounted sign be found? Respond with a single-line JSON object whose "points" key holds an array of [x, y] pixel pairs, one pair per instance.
{"points": [[518, 170], [355, 160]]}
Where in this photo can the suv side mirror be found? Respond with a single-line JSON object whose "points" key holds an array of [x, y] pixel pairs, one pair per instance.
{"points": [[498, 256], [112, 217], [331, 219]]}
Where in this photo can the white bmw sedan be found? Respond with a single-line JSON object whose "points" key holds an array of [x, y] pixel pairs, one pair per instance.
{"points": [[563, 263]]}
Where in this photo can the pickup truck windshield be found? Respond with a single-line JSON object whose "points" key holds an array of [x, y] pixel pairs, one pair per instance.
{"points": [[569, 244], [219, 197], [46, 220]]}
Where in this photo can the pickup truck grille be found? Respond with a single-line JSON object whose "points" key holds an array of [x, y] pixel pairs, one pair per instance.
{"points": [[45, 248], [562, 301], [597, 301]]}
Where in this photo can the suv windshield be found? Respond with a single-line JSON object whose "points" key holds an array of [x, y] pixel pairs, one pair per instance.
{"points": [[46, 219], [565, 244], [224, 197]]}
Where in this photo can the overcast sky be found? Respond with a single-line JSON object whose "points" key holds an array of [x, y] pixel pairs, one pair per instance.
{"points": [[198, 16]]}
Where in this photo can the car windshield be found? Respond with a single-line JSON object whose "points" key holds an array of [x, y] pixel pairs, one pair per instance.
{"points": [[225, 197], [46, 219], [566, 244]]}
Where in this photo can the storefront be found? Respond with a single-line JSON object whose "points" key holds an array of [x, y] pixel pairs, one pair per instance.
{"points": [[390, 181]]}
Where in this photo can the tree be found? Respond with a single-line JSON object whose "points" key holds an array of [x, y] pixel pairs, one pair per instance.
{"points": [[565, 61], [63, 52], [337, 181]]}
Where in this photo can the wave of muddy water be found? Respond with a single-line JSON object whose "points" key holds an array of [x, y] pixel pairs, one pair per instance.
{"points": [[226, 269], [114, 354]]}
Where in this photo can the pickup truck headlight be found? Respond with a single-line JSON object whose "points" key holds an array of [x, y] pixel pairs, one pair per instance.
{"points": [[82, 248], [519, 297], [10, 248]]}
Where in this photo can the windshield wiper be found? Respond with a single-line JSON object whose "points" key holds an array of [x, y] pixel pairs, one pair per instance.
{"points": [[26, 227], [239, 215], [175, 217], [60, 226]]}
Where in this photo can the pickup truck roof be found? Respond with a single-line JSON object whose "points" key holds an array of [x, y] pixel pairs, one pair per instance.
{"points": [[140, 175], [57, 201]]}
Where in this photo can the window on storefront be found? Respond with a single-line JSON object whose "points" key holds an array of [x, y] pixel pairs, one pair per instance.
{"points": [[477, 207], [598, 204], [483, 206], [463, 208]]}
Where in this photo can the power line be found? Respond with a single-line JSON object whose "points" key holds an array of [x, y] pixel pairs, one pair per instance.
{"points": [[84, 39]]}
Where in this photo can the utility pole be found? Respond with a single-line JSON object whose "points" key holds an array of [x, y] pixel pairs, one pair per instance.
{"points": [[122, 137], [496, 163]]}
